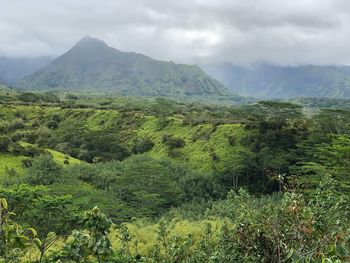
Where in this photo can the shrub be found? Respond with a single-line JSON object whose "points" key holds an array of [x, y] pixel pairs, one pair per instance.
{"points": [[231, 140], [165, 137], [29, 97], [174, 142], [175, 153], [27, 163], [5, 143], [52, 124], [162, 123], [16, 124], [17, 149], [143, 145], [44, 171], [4, 127], [33, 151], [56, 118], [31, 137], [17, 136]]}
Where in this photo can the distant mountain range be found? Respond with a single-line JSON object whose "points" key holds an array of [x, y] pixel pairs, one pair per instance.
{"points": [[268, 81], [91, 65], [14, 69]]}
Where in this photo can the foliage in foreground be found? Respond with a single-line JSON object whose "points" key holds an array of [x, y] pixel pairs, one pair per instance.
{"points": [[286, 227]]}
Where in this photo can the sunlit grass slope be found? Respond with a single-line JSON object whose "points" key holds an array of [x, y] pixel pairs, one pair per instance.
{"points": [[207, 146]]}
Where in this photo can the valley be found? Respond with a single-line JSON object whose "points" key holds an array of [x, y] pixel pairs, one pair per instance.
{"points": [[185, 173]]}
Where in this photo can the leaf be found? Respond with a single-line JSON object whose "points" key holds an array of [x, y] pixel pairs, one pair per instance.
{"points": [[3, 203], [37, 242], [290, 253], [341, 250], [33, 231]]}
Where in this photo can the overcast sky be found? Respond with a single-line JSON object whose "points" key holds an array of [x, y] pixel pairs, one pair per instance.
{"points": [[238, 31]]}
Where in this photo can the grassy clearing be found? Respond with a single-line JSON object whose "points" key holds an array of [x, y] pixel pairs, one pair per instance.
{"points": [[206, 146], [146, 235], [101, 119], [8, 162], [59, 157]]}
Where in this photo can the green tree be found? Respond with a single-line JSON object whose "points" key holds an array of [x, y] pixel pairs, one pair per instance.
{"points": [[92, 241], [15, 241], [53, 220], [51, 215], [44, 171]]}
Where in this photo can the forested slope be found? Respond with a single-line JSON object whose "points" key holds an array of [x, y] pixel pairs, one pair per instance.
{"points": [[260, 182]]}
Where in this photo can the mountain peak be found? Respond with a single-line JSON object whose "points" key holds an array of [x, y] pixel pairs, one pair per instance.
{"points": [[91, 65], [90, 42]]}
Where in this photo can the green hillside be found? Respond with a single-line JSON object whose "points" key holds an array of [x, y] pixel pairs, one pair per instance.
{"points": [[9, 162], [91, 65], [203, 143], [13, 163], [162, 180]]}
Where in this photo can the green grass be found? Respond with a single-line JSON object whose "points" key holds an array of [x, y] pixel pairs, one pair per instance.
{"points": [[204, 142], [207, 145], [8, 161], [146, 234], [61, 157], [101, 119], [57, 156]]}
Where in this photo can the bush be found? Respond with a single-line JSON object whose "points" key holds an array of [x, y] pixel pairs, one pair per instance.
{"points": [[4, 127], [31, 137], [50, 97], [17, 149], [52, 124], [175, 153], [16, 124], [29, 97], [44, 171], [231, 140], [162, 123], [33, 151], [165, 137], [17, 136], [27, 163], [173, 142], [143, 145], [56, 118], [5, 143]]}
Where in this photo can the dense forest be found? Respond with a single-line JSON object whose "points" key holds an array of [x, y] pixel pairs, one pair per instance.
{"points": [[94, 178]]}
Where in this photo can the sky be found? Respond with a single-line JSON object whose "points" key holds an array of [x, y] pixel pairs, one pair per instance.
{"points": [[282, 32]]}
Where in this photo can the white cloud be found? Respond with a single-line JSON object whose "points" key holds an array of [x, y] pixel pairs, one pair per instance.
{"points": [[281, 32]]}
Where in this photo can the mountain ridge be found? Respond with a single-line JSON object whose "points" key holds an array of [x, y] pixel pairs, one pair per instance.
{"points": [[92, 65], [14, 69], [271, 81]]}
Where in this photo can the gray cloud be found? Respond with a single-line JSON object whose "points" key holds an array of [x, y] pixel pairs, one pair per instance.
{"points": [[282, 32]]}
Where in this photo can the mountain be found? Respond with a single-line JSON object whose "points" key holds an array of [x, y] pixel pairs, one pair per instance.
{"points": [[91, 65], [269, 81], [14, 69]]}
